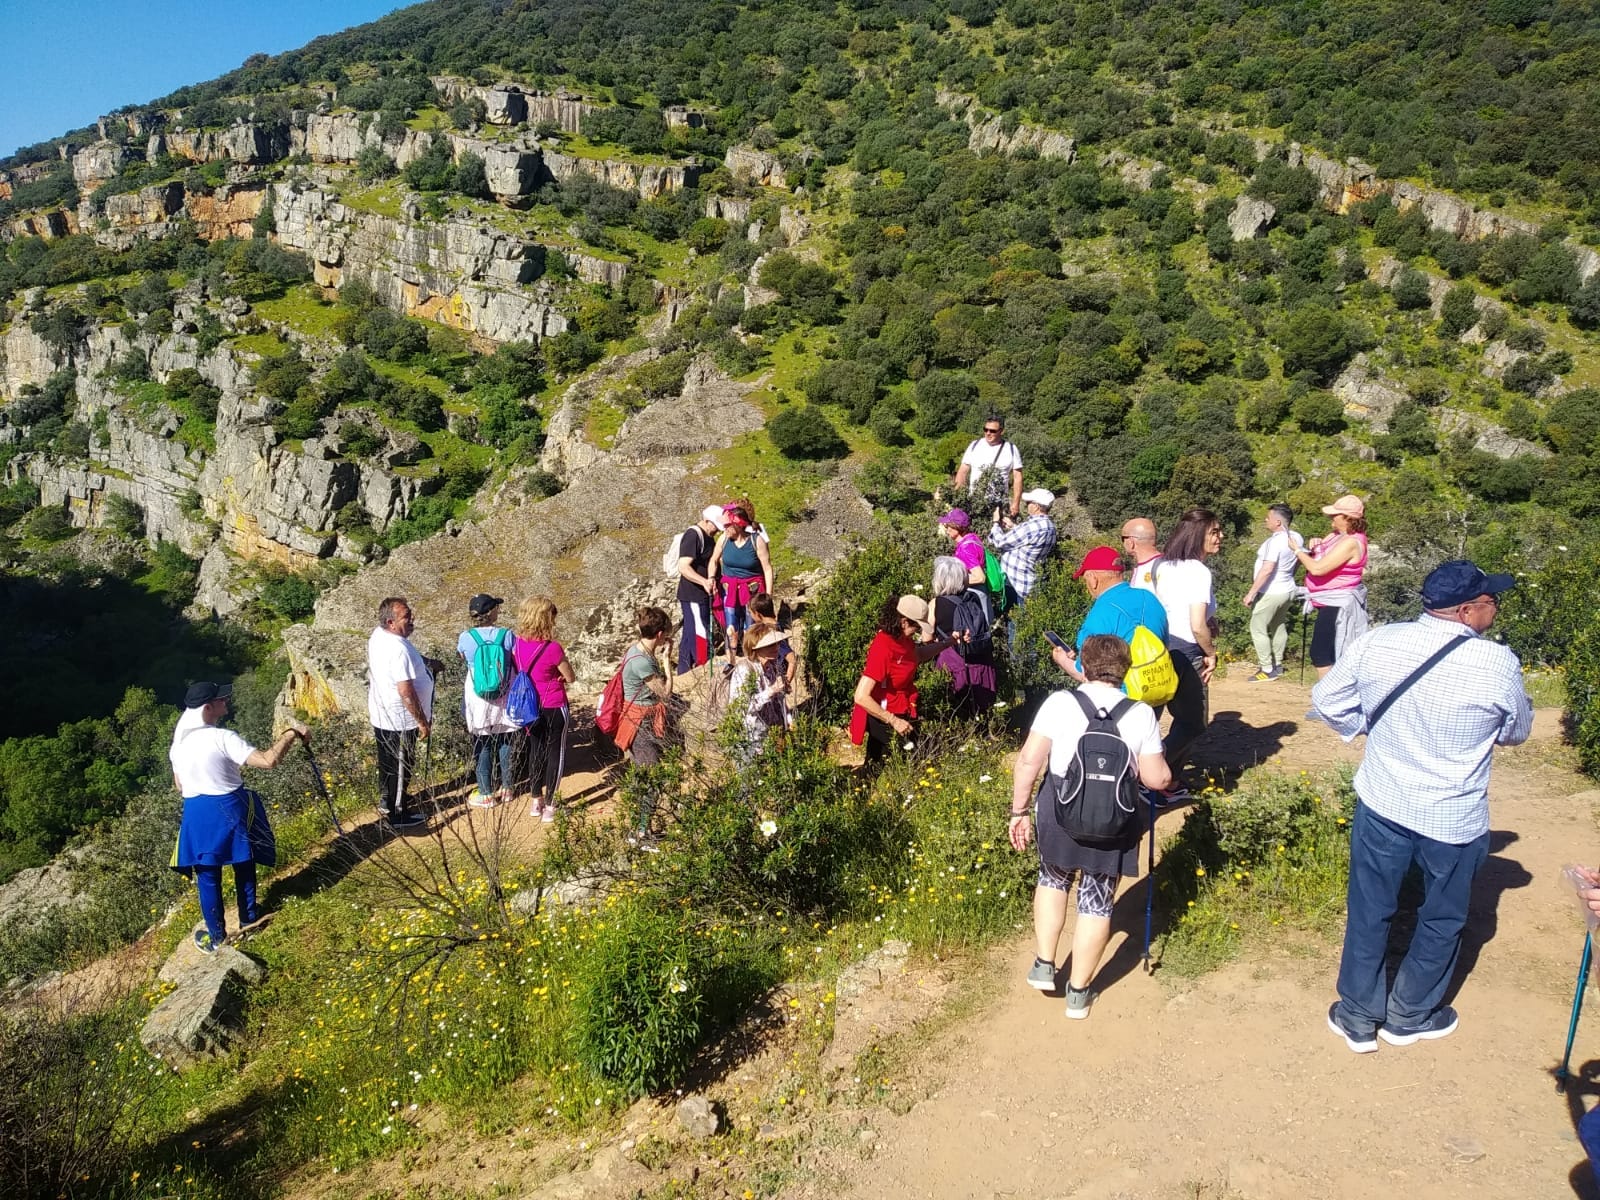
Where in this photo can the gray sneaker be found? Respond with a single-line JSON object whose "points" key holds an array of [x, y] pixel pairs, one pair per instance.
{"points": [[1042, 975], [1079, 1001]]}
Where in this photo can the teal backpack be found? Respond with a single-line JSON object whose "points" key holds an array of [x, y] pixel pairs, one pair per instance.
{"points": [[491, 665]]}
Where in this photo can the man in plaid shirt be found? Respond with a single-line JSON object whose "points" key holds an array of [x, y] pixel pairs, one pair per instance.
{"points": [[1422, 795], [1022, 546]]}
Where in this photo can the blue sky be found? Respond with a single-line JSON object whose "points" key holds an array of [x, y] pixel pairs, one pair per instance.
{"points": [[67, 62]]}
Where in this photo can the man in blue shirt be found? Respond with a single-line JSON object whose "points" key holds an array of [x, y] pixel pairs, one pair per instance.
{"points": [[1118, 609]]}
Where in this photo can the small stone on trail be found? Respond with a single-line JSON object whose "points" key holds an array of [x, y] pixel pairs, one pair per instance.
{"points": [[699, 1116], [1464, 1149]]}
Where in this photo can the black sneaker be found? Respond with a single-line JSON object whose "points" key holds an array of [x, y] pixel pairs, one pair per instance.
{"points": [[1361, 1043], [1441, 1024], [406, 820]]}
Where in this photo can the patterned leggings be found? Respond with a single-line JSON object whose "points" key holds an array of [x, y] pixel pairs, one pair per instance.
{"points": [[1095, 891]]}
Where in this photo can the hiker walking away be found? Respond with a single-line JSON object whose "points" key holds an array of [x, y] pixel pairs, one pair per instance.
{"points": [[1116, 608], [1272, 592], [485, 647], [957, 526], [1334, 567], [1053, 743], [759, 689], [695, 588], [646, 690], [399, 705], [1139, 544], [1184, 587], [536, 654], [961, 609], [1024, 545], [224, 823], [741, 559], [991, 470], [1434, 698], [885, 702]]}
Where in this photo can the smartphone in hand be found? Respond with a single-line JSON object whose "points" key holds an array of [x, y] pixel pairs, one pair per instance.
{"points": [[1055, 640]]}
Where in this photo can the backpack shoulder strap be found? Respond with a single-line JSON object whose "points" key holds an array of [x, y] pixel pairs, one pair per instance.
{"points": [[1090, 712], [476, 638], [1119, 708], [1405, 684]]}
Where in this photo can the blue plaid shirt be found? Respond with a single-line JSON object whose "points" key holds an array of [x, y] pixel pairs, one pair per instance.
{"points": [[1022, 548], [1426, 765]]}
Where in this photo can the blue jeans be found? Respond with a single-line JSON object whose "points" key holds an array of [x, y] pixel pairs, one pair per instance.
{"points": [[208, 882], [1381, 852], [490, 745]]}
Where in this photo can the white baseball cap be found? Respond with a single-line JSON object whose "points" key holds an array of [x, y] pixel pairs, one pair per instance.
{"points": [[1039, 496]]}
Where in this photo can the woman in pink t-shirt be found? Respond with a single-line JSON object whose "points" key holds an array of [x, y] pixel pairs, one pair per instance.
{"points": [[1334, 567], [544, 743]]}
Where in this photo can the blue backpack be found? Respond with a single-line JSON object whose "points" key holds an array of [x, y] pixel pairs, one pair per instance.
{"points": [[522, 701]]}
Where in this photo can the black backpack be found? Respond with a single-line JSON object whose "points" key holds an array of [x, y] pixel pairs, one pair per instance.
{"points": [[970, 612], [1096, 802]]}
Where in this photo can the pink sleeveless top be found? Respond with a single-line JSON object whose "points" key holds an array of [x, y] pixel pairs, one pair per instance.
{"points": [[1342, 578]]}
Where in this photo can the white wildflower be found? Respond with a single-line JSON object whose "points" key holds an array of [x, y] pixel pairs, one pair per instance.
{"points": [[769, 827]]}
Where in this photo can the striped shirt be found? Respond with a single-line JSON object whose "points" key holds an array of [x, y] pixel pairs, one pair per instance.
{"points": [[1426, 765], [1022, 548]]}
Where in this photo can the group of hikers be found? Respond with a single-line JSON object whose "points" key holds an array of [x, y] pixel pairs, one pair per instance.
{"points": [[1433, 696]]}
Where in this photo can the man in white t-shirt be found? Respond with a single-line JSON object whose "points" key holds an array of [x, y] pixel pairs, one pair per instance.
{"points": [[399, 704], [224, 824], [991, 469], [1139, 544], [1272, 593]]}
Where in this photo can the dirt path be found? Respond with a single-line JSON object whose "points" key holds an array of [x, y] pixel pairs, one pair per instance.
{"points": [[1231, 1086]]}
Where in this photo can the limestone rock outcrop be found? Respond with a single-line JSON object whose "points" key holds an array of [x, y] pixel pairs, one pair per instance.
{"points": [[243, 142], [512, 104], [584, 547], [990, 131], [204, 1013], [1250, 218], [733, 209], [648, 181], [457, 272], [97, 163], [1489, 436], [755, 166], [1368, 394]]}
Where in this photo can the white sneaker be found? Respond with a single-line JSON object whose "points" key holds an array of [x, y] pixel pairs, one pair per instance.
{"points": [[479, 800]]}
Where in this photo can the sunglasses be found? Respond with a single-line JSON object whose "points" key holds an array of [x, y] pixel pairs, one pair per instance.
{"points": [[988, 429]]}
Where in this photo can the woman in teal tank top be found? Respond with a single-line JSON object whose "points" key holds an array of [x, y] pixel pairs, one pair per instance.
{"points": [[745, 567]]}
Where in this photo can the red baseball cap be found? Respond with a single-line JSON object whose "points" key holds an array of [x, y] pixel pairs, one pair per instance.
{"points": [[1101, 558]]}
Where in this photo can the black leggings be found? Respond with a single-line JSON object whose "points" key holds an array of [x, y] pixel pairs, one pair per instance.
{"points": [[544, 752], [1325, 637]]}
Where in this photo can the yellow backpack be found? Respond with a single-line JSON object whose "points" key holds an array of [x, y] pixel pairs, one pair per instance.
{"points": [[1152, 678]]}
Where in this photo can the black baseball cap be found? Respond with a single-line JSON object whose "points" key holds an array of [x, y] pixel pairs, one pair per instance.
{"points": [[483, 603], [1459, 581], [204, 693]]}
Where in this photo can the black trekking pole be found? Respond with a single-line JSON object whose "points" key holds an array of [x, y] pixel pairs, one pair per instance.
{"points": [[1563, 1072], [1150, 887], [321, 786]]}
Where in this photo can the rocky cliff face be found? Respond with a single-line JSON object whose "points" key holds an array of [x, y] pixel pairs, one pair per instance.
{"points": [[988, 131], [648, 181], [749, 165], [455, 272], [252, 495], [584, 547], [512, 104], [244, 142]]}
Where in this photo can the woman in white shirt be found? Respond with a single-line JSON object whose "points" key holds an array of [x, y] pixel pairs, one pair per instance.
{"points": [[1053, 741], [1183, 585], [1272, 591]]}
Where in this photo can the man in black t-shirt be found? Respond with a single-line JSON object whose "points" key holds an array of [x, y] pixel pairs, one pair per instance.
{"points": [[694, 587]]}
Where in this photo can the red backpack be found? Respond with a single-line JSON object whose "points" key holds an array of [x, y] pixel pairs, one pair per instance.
{"points": [[608, 715]]}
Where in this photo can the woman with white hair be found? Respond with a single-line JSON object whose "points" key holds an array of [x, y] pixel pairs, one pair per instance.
{"points": [[960, 606]]}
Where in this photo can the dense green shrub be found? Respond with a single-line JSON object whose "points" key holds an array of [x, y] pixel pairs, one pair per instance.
{"points": [[844, 617], [1245, 864], [803, 432]]}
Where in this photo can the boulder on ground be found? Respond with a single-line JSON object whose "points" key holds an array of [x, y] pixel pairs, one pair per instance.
{"points": [[202, 1016]]}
